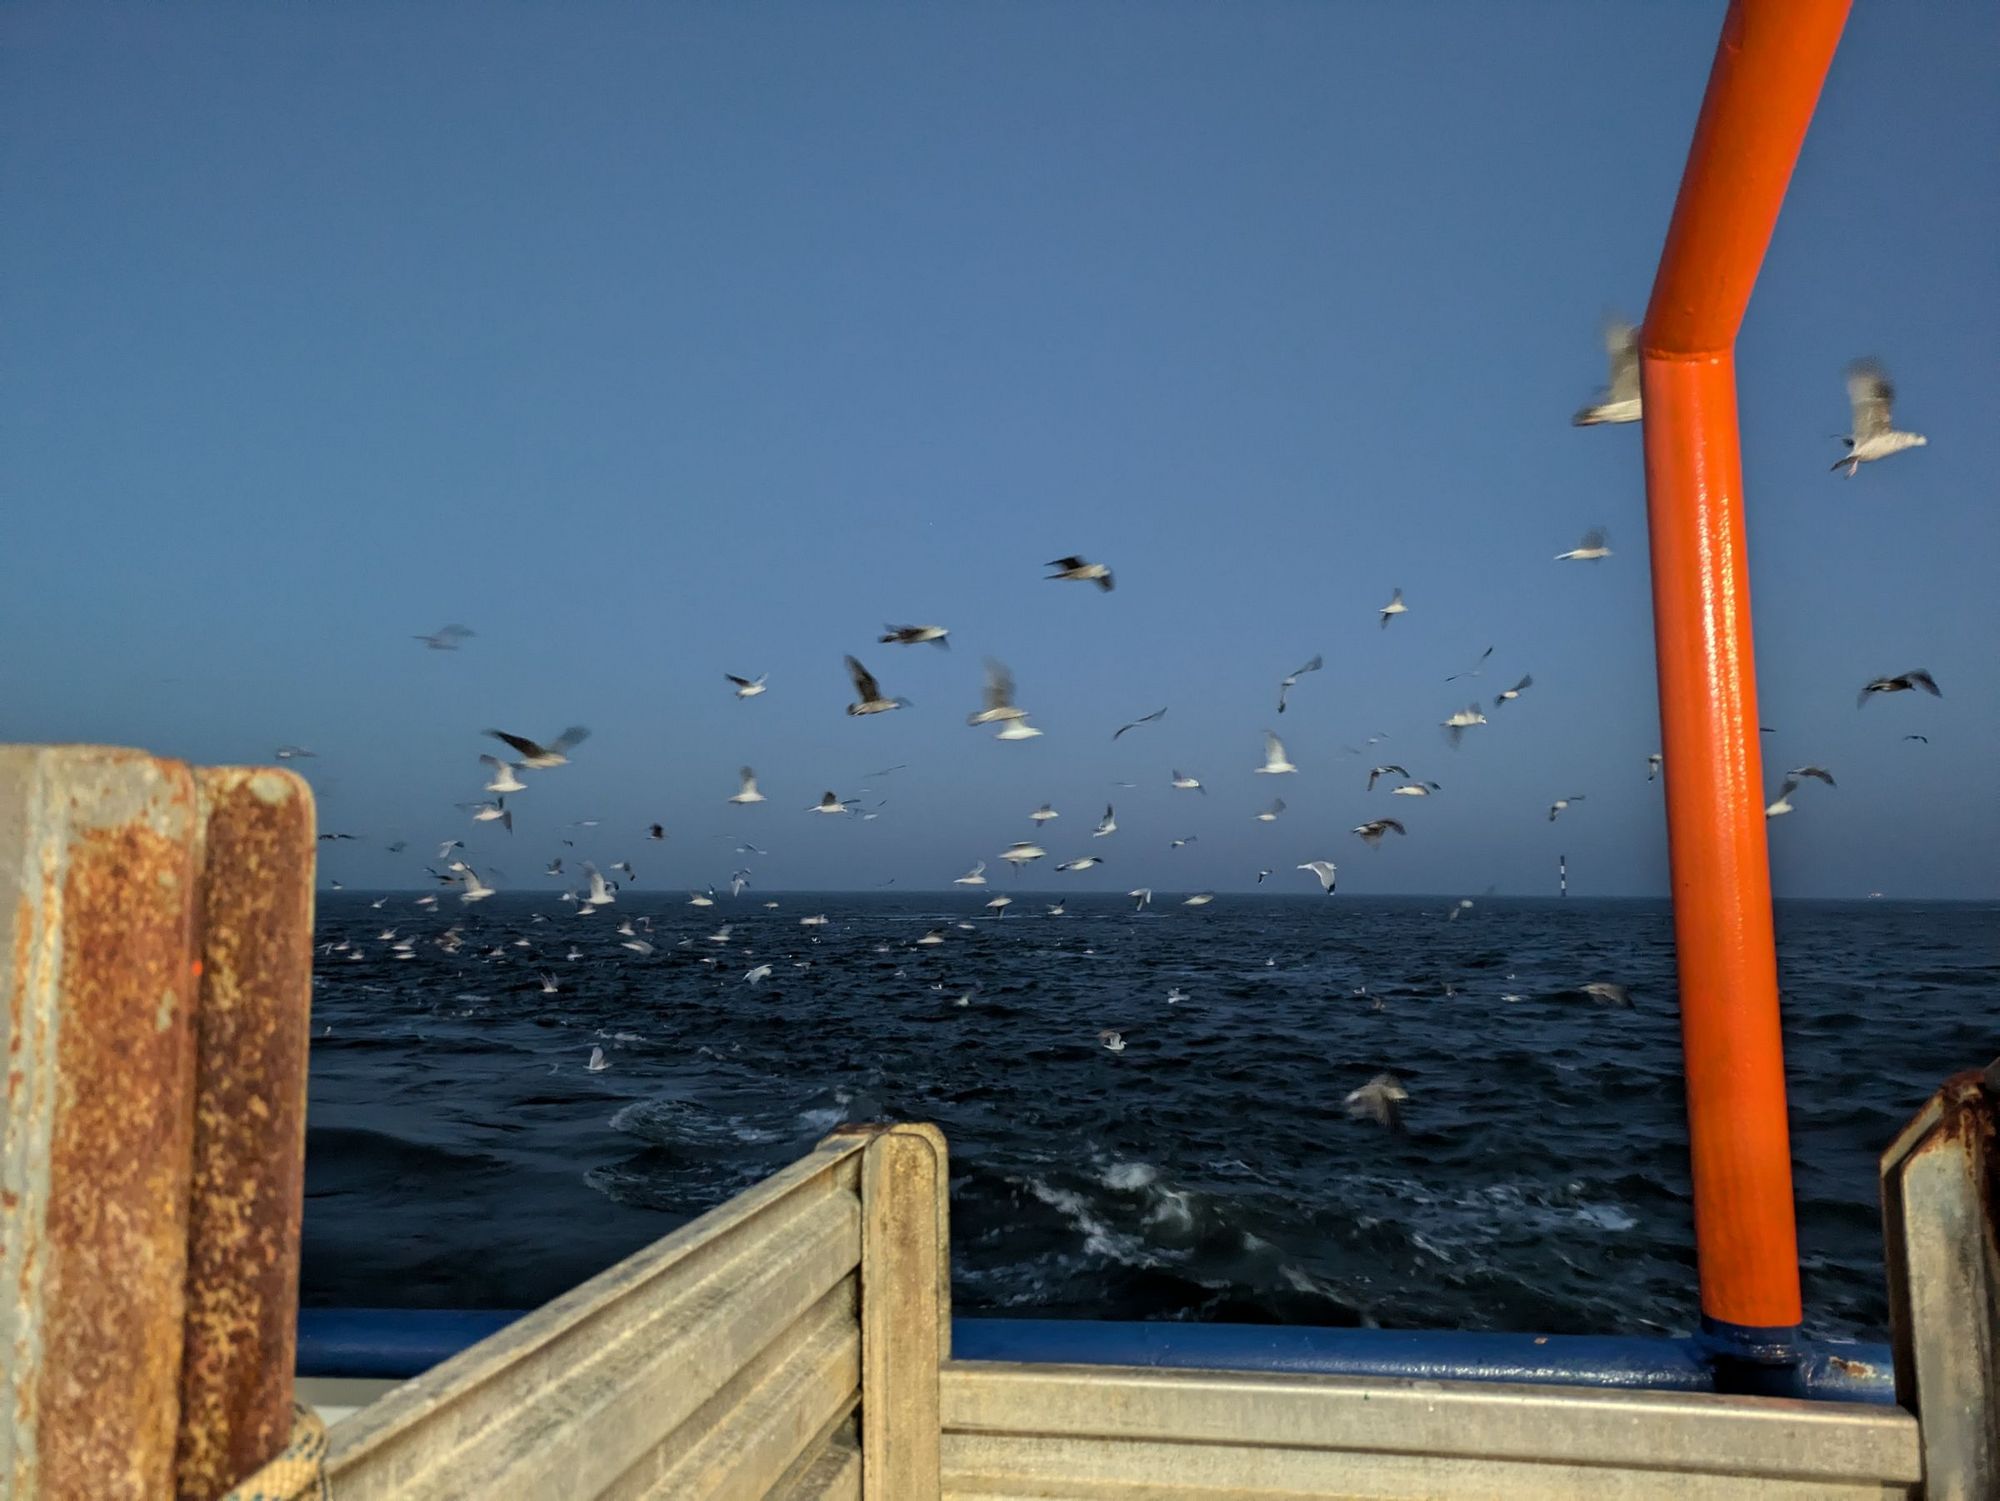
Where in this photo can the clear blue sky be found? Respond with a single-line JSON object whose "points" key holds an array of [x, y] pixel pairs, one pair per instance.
{"points": [[659, 341]]}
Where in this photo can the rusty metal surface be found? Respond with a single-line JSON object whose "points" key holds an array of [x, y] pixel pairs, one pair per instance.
{"points": [[252, 1028], [97, 868]]}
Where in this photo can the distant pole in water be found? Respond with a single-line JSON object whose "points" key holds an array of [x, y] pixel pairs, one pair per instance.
{"points": [[1562, 875]]}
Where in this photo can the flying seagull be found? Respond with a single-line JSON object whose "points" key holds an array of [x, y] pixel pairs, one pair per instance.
{"points": [[831, 804], [1083, 862], [1590, 549], [1105, 825], [1287, 683], [1199, 899], [1270, 814], [1784, 803], [1275, 763], [504, 779], [1325, 870], [1621, 401], [1383, 771], [1474, 670], [973, 877], [1416, 789], [1561, 803], [1915, 678], [446, 638], [1188, 784], [1653, 764], [998, 696], [1141, 896], [1507, 694], [294, 753], [747, 687], [1021, 851], [1142, 719], [1875, 436], [1115, 1041], [1081, 571], [601, 890], [1393, 608], [1379, 1100], [914, 635], [1044, 813], [1372, 831], [1923, 738], [1607, 992], [747, 792], [1456, 726], [536, 757], [1818, 772], [868, 697], [656, 831]]}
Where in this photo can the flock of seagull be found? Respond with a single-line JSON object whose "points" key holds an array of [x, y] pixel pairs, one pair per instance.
{"points": [[1874, 437]]}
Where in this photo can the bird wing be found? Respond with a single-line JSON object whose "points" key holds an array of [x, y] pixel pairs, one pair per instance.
{"points": [[1870, 394], [1274, 749], [493, 761], [1313, 666], [520, 743], [1924, 681], [999, 685], [739, 682], [866, 689], [1621, 343], [1070, 562], [1390, 823], [574, 736], [749, 779], [1592, 540], [1819, 772]]}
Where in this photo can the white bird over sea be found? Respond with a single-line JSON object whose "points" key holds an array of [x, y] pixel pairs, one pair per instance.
{"points": [[1561, 803], [1270, 814], [1261, 875], [1475, 670], [1175, 995], [504, 779], [1081, 571], [537, 757], [747, 790], [1916, 677], [1105, 825], [1875, 436], [601, 894], [760, 972], [998, 696], [493, 812], [1142, 896], [1507, 695], [868, 697], [549, 986], [817, 920], [1084, 862], [1379, 1100], [471, 888], [1044, 813], [973, 877], [638, 946], [1189, 784], [1593, 546], [1653, 764], [1784, 803], [293, 753], [1372, 831], [1142, 719], [1199, 899], [1326, 870], [1057, 909], [747, 687], [1376, 773], [1393, 608], [1287, 683], [1456, 726], [1621, 401], [1113, 1040], [446, 638], [832, 804], [930, 940], [598, 1063], [1275, 763], [999, 905], [916, 635], [1021, 852], [1416, 789]]}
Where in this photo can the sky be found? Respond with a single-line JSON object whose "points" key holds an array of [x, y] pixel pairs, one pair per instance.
{"points": [[658, 342]]}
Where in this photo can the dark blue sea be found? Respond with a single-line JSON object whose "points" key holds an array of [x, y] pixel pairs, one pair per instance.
{"points": [[461, 1153]]}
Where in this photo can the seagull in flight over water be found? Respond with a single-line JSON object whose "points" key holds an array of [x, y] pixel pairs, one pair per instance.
{"points": [[747, 792], [1379, 1100], [1325, 870], [868, 697], [1382, 771], [747, 687], [1275, 762], [1188, 784], [1105, 825], [1287, 683], [537, 757], [1142, 719], [1372, 831], [998, 696], [1592, 548], [504, 779], [1875, 436], [1082, 571], [1917, 677], [1393, 608], [446, 638], [914, 635], [1506, 695], [1621, 401]]}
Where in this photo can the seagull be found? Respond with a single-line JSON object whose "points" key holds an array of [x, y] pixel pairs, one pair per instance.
{"points": [[445, 638], [493, 812], [1275, 763], [1456, 726], [1021, 852], [748, 792], [973, 877], [1142, 895], [999, 905], [1112, 1040], [868, 697], [504, 779], [761, 972], [999, 696], [626, 866], [1286, 684], [444, 849], [1621, 402], [537, 757], [1057, 909], [1784, 803], [1325, 870], [1607, 992], [1084, 862], [597, 1064], [1590, 549], [294, 753], [1653, 764], [1199, 899], [747, 687], [1261, 875], [1464, 904], [549, 986], [1394, 607], [1372, 831], [831, 804], [1186, 783], [1915, 678], [1081, 571], [915, 635], [1174, 844], [1270, 814], [1875, 437], [930, 940], [1416, 789], [1379, 1100], [1561, 803], [1924, 738], [601, 894], [656, 831], [1506, 695], [1819, 772], [472, 889], [1383, 771], [1044, 813], [818, 920], [638, 946], [1142, 719], [1474, 670], [1105, 825], [738, 879], [1175, 995]]}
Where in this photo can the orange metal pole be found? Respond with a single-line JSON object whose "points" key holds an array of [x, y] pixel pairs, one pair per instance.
{"points": [[1769, 67]]}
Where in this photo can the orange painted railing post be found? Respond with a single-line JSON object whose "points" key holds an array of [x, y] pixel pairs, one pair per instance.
{"points": [[1769, 67]]}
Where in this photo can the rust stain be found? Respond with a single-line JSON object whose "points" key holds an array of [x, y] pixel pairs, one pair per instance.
{"points": [[253, 1035], [113, 1249], [1850, 1367]]}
